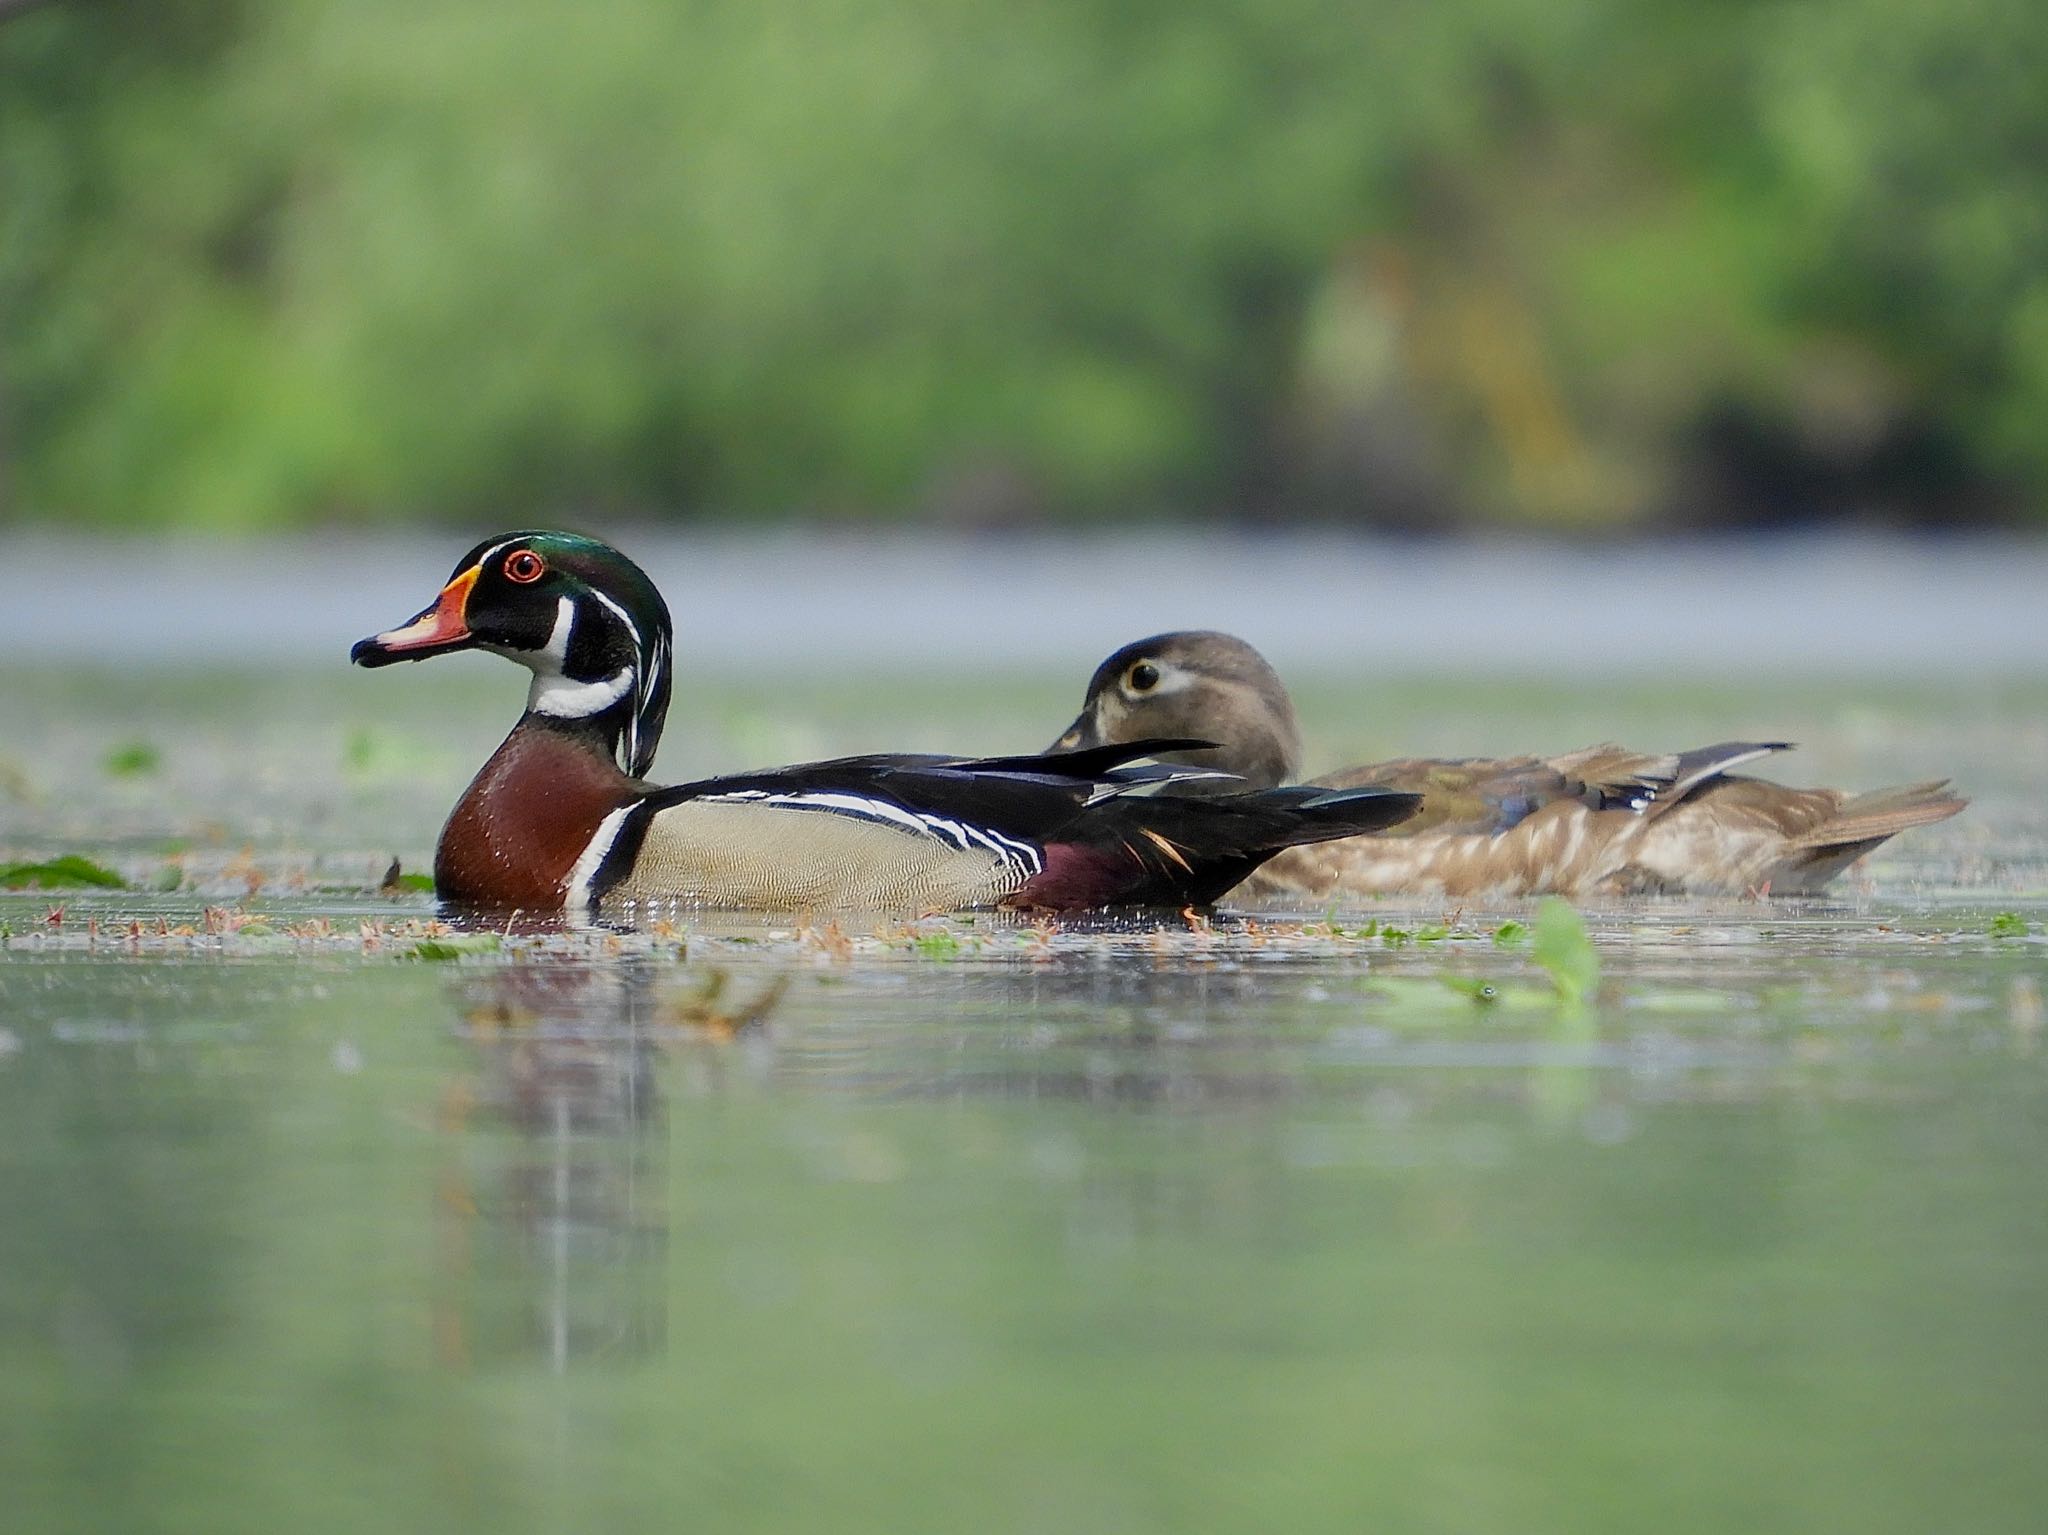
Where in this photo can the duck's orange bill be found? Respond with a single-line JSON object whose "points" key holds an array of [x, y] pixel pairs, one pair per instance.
{"points": [[442, 624]]}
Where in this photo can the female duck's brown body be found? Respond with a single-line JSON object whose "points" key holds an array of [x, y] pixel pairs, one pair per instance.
{"points": [[1603, 821], [1723, 835]]}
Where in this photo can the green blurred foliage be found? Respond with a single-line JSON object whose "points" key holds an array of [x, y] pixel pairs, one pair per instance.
{"points": [[1578, 263]]}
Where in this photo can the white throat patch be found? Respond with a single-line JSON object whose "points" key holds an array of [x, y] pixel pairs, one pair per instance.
{"points": [[552, 693]]}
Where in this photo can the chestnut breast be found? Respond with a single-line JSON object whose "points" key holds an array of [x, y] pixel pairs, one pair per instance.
{"points": [[526, 818]]}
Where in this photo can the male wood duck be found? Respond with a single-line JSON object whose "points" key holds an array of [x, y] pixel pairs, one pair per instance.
{"points": [[1603, 821], [560, 817]]}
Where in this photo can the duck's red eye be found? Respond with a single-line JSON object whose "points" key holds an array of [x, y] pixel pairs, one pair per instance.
{"points": [[524, 566]]}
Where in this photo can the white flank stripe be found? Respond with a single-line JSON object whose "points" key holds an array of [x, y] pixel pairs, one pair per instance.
{"points": [[1019, 856], [577, 896]]}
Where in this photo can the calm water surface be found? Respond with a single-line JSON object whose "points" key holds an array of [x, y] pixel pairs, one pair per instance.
{"points": [[982, 1228]]}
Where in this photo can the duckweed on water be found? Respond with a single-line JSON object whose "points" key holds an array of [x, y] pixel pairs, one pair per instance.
{"points": [[1388, 933]]}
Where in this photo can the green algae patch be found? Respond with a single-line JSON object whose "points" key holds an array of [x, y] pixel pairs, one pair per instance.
{"points": [[70, 872]]}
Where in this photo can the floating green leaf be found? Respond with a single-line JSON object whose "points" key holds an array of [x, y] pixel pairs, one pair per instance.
{"points": [[456, 946], [133, 759], [1565, 951], [1511, 934], [2009, 924], [70, 872]]}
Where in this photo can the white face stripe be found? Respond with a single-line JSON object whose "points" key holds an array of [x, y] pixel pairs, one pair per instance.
{"points": [[557, 647], [624, 617], [485, 558], [549, 658], [577, 897], [650, 670], [655, 663]]}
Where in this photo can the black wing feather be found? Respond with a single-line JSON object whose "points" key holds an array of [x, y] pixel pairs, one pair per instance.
{"points": [[1161, 848], [1019, 796]]}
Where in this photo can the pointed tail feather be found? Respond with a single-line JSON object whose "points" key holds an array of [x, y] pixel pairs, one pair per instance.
{"points": [[1885, 813], [1860, 825]]}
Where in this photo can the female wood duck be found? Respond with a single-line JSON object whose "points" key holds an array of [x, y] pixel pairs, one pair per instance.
{"points": [[1603, 821], [559, 817]]}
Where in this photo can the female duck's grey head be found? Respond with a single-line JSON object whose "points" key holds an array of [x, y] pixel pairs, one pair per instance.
{"points": [[579, 615], [1194, 684]]}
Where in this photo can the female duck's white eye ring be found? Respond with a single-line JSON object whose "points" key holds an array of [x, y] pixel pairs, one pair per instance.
{"points": [[524, 566], [1143, 677]]}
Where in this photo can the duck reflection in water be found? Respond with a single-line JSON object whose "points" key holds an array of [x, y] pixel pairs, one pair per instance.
{"points": [[553, 1205]]}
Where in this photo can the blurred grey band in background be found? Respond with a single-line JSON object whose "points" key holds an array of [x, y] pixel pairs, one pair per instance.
{"points": [[1825, 604]]}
